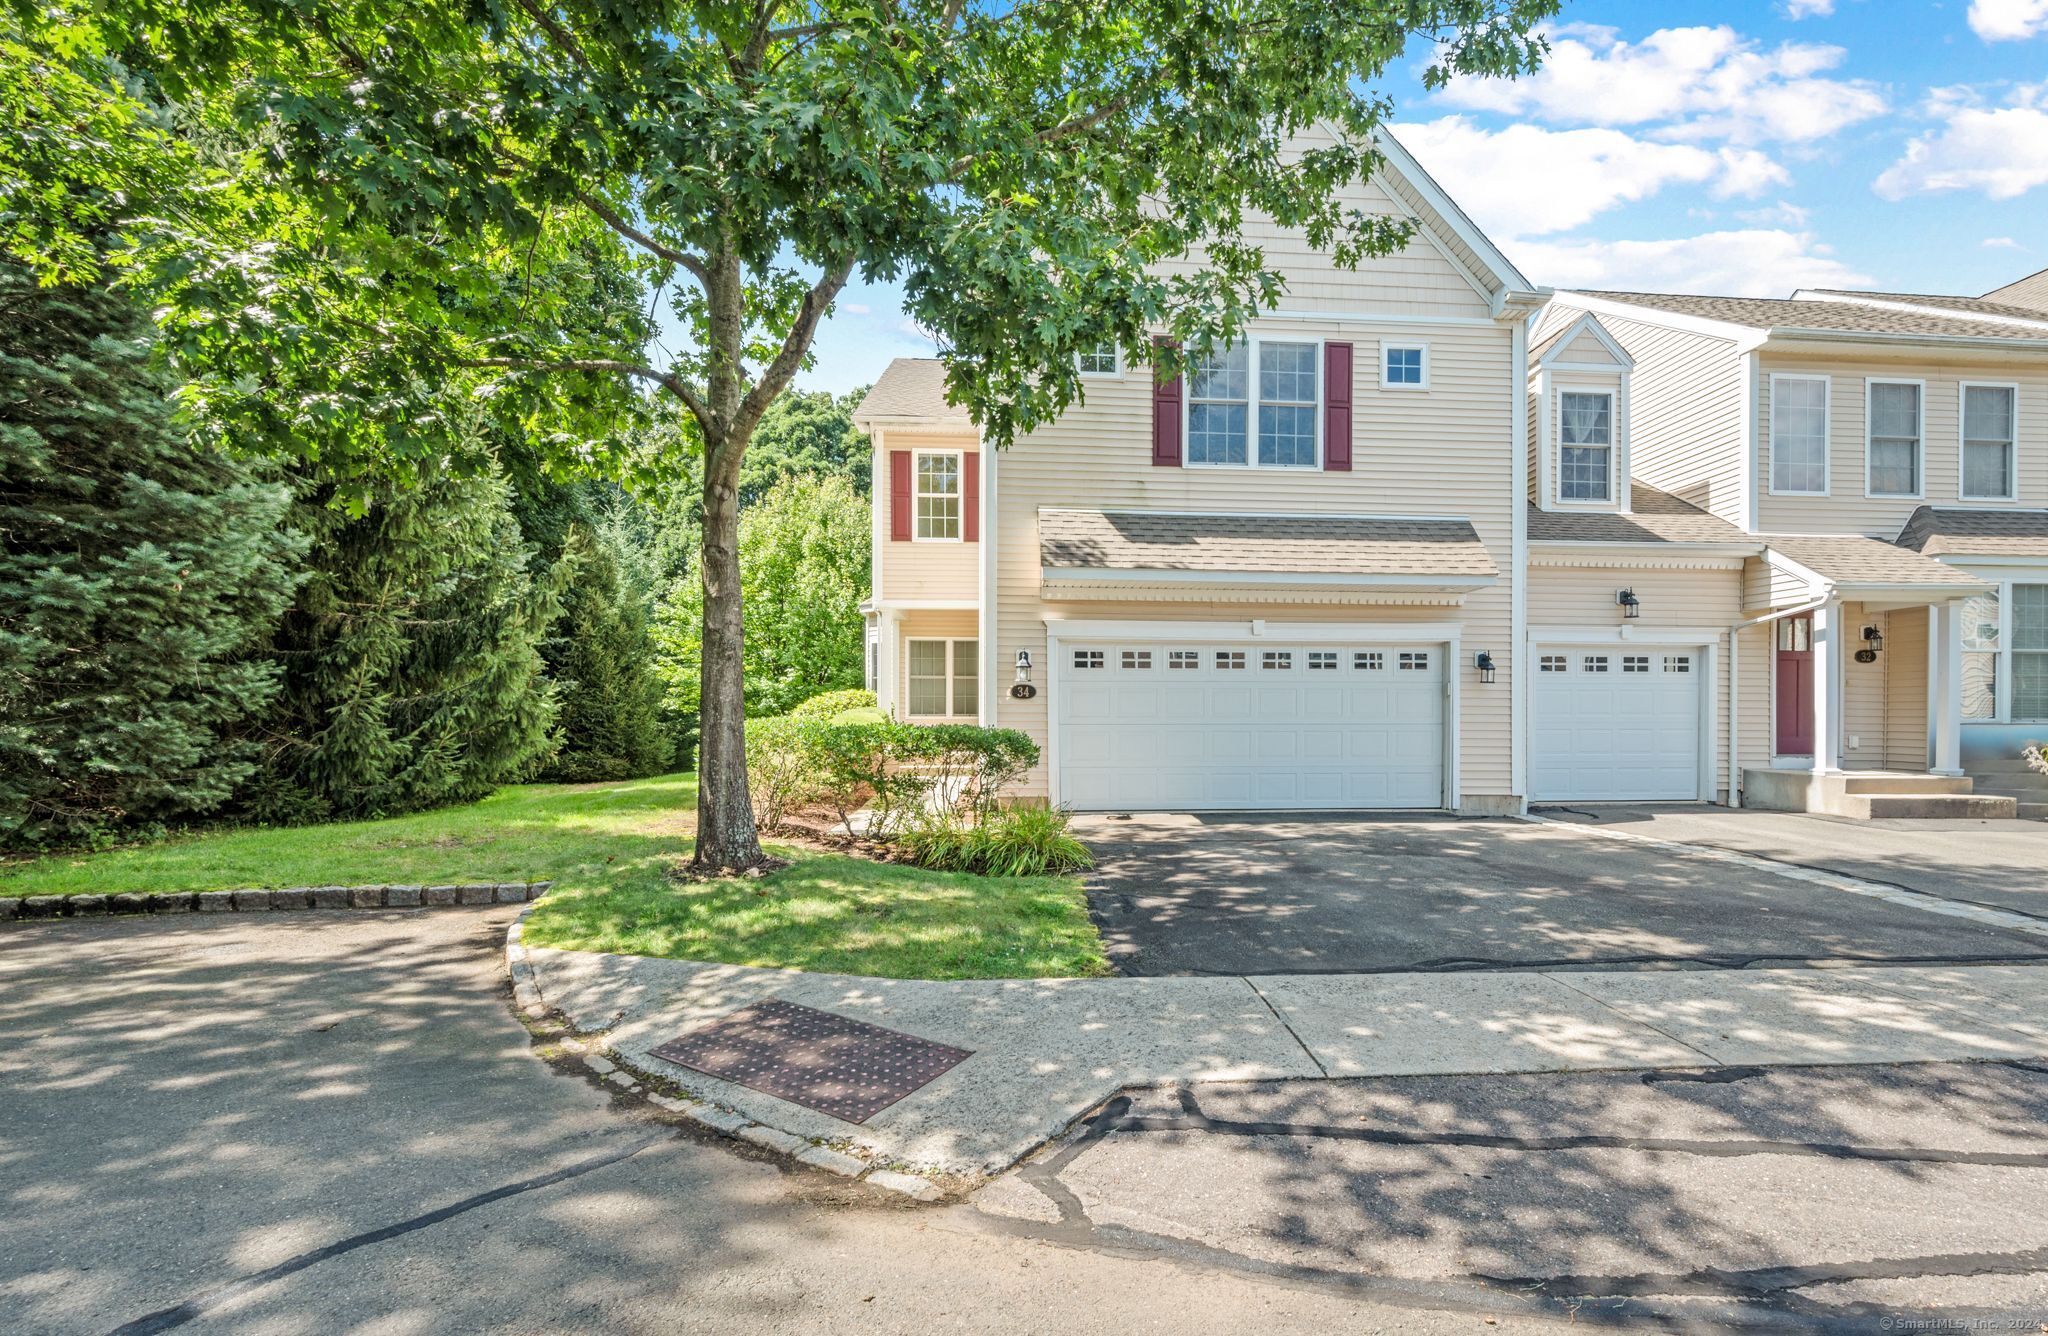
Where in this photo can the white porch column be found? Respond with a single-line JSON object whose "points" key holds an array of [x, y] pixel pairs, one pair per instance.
{"points": [[1945, 686], [1827, 689], [887, 673]]}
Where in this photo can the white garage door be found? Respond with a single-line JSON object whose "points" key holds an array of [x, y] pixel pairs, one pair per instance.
{"points": [[1615, 724], [1180, 726]]}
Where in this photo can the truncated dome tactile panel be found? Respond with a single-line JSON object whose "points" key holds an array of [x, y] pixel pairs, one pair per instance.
{"points": [[846, 1068]]}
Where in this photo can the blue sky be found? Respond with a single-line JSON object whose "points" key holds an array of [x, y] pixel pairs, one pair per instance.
{"points": [[1727, 147]]}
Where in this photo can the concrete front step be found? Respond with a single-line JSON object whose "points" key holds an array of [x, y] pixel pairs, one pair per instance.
{"points": [[2014, 786], [1925, 806], [2032, 812], [1890, 782]]}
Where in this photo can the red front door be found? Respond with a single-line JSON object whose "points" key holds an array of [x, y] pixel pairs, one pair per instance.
{"points": [[1795, 686]]}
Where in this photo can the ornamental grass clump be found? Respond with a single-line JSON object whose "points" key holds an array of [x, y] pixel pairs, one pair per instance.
{"points": [[1009, 842]]}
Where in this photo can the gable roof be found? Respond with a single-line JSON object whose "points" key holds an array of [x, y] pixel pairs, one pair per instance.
{"points": [[1656, 517], [1310, 545], [1940, 531], [911, 389], [1589, 323], [1411, 184], [2030, 292], [1788, 316]]}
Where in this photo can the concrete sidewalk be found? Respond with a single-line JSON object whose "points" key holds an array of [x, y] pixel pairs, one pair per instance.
{"points": [[1047, 1051]]}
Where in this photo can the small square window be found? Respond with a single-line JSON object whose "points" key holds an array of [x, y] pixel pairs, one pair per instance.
{"points": [[1596, 663], [1229, 658], [1635, 663], [1277, 658], [1087, 658], [1553, 663], [1098, 361], [1407, 365], [1321, 659], [1139, 659], [1678, 663], [1370, 661], [1417, 660], [1184, 658]]}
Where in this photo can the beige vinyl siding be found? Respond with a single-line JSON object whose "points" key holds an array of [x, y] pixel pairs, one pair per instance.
{"points": [[1447, 450], [1865, 693], [1765, 586], [1685, 414], [1905, 668], [1845, 509], [928, 625], [1573, 598], [911, 572], [1586, 348]]}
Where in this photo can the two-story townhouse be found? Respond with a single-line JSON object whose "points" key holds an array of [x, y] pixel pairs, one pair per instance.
{"points": [[1851, 487], [1289, 579]]}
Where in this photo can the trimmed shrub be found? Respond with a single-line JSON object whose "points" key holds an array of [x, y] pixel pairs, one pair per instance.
{"points": [[1008, 842], [832, 704], [893, 770]]}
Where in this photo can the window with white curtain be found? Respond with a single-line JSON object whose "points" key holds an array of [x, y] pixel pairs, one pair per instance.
{"points": [[1799, 434], [942, 678], [1894, 438], [1989, 420], [1585, 464]]}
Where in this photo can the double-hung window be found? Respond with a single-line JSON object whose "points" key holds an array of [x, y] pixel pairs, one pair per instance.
{"points": [[1585, 433], [2030, 653], [938, 497], [2005, 655], [1990, 419], [1894, 445], [1255, 404], [1799, 435], [942, 678]]}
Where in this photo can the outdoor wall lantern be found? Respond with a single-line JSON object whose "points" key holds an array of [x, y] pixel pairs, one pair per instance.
{"points": [[1631, 606], [1483, 661], [1873, 641], [1022, 689]]}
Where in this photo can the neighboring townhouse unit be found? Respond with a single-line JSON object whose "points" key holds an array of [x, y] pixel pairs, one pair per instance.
{"points": [[1267, 584], [1861, 477]]}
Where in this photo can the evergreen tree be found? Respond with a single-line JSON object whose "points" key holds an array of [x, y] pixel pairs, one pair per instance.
{"points": [[135, 571], [413, 674], [601, 661]]}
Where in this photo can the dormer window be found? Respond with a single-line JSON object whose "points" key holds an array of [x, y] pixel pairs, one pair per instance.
{"points": [[1585, 465]]}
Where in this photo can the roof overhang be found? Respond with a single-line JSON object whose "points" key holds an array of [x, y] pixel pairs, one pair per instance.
{"points": [[1154, 585]]}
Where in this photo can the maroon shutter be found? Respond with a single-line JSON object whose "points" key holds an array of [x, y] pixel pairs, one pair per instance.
{"points": [[970, 499], [1165, 415], [1337, 407], [899, 496]]}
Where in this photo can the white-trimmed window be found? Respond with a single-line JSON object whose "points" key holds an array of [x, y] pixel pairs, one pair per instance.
{"points": [[2029, 652], [1799, 435], [1892, 452], [2005, 655], [942, 678], [1585, 450], [1256, 404], [1981, 640], [1404, 366], [1097, 361], [1990, 437], [937, 499]]}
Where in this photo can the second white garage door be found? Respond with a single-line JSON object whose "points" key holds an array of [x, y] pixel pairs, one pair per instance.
{"points": [[1179, 726], [1615, 725]]}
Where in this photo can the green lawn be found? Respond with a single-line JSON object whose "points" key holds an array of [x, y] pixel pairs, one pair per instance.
{"points": [[609, 849]]}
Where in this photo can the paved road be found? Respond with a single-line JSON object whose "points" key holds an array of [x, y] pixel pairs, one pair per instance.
{"points": [[1249, 895], [1998, 863], [330, 1123], [1862, 1199]]}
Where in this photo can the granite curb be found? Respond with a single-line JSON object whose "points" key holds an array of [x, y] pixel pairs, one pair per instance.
{"points": [[602, 1060], [259, 901]]}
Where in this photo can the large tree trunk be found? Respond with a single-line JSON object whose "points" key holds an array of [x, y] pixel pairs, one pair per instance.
{"points": [[727, 840]]}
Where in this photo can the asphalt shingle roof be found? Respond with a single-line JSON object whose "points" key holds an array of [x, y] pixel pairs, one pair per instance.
{"points": [[1850, 560], [1979, 305], [911, 387], [2000, 533], [1144, 540], [1658, 517], [1826, 317]]}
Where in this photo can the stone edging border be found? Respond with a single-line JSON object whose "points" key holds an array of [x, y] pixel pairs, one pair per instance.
{"points": [[604, 1062], [256, 901]]}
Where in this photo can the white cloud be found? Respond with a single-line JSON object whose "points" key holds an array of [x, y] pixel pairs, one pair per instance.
{"points": [[1808, 9], [1528, 181], [854, 308], [1753, 262], [2008, 20], [1692, 83], [1999, 151], [1782, 214], [2000, 243]]}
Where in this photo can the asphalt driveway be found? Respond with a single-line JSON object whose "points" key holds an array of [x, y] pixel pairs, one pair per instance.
{"points": [[1347, 893]]}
